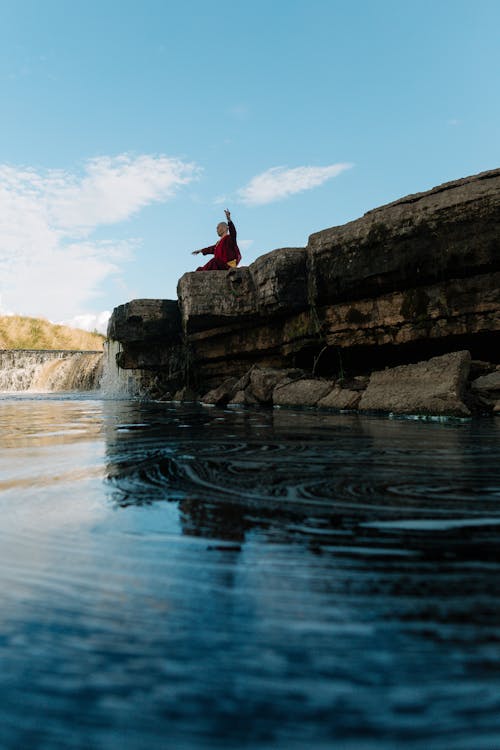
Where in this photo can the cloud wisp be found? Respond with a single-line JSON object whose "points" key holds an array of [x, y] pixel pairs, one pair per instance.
{"points": [[90, 321], [278, 183], [50, 263]]}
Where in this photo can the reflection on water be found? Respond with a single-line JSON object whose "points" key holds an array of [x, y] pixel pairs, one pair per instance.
{"points": [[193, 577]]}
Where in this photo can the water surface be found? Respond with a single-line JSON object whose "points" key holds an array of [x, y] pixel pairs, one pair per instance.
{"points": [[191, 577]]}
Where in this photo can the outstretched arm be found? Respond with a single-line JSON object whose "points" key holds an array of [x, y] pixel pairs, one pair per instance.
{"points": [[205, 251]]}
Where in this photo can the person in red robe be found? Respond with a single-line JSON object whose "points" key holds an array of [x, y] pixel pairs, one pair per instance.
{"points": [[226, 252]]}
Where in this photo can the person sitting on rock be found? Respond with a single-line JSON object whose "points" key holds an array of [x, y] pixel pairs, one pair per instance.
{"points": [[226, 252]]}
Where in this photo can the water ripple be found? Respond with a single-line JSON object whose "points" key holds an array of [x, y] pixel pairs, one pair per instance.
{"points": [[207, 579]]}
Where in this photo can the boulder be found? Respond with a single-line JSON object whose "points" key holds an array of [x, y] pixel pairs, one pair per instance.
{"points": [[211, 299], [185, 395], [243, 398], [243, 382], [304, 392], [263, 381], [434, 387], [222, 394], [239, 399], [487, 387], [340, 398]]}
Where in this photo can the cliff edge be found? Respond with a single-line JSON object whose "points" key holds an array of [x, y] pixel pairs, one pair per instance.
{"points": [[408, 282]]}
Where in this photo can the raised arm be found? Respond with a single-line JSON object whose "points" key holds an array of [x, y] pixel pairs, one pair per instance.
{"points": [[230, 225]]}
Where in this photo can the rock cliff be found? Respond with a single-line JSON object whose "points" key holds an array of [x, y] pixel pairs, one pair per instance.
{"points": [[408, 281]]}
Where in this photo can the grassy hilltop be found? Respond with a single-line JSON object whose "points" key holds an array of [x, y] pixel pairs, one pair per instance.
{"points": [[17, 332]]}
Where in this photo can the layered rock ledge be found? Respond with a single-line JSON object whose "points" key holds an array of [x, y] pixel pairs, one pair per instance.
{"points": [[408, 282]]}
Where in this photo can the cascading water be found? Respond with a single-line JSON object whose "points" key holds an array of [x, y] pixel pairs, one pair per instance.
{"points": [[47, 370], [116, 382]]}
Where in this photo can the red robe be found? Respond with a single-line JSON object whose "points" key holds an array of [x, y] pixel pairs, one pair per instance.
{"points": [[225, 250]]}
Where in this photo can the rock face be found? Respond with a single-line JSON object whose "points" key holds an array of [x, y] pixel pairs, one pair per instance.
{"points": [[449, 232], [410, 280], [149, 332]]}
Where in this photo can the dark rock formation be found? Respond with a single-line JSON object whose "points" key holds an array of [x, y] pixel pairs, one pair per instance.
{"points": [[449, 232], [145, 320], [417, 278]]}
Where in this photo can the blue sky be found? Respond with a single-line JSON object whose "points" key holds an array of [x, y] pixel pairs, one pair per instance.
{"points": [[127, 127]]}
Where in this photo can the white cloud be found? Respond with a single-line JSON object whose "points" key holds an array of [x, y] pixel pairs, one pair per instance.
{"points": [[279, 182], [90, 321], [50, 264], [220, 200]]}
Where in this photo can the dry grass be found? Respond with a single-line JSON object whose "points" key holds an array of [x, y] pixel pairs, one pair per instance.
{"points": [[18, 332]]}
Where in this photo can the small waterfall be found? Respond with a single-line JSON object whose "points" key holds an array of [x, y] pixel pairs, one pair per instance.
{"points": [[116, 382], [45, 370]]}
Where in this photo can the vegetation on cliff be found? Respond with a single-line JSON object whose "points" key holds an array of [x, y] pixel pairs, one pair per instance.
{"points": [[17, 332]]}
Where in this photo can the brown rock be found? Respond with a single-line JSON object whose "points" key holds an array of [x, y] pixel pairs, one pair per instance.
{"points": [[211, 299], [487, 386], [280, 281], [185, 395], [449, 232], [243, 398], [275, 283], [436, 387], [304, 392], [455, 307], [243, 382], [340, 398], [222, 394], [263, 381], [403, 280], [239, 399]]}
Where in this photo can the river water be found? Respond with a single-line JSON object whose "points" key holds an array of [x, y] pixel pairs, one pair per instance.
{"points": [[190, 577]]}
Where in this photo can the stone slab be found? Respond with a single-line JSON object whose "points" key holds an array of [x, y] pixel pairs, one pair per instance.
{"points": [[274, 284], [450, 231], [304, 392], [434, 387], [144, 320], [340, 398]]}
